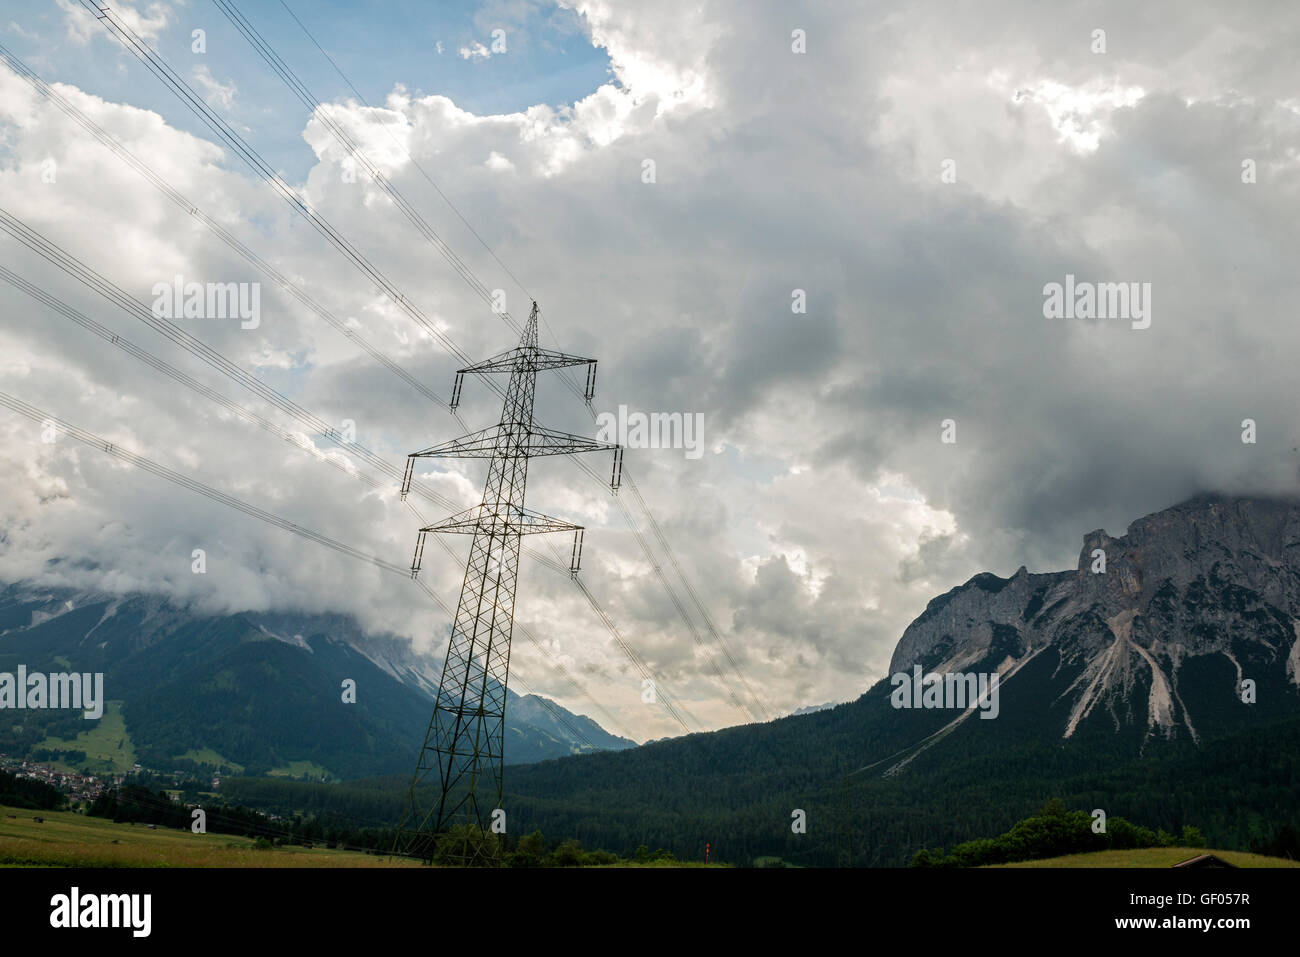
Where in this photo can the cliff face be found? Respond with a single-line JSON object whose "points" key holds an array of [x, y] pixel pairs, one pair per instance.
{"points": [[1210, 578]]}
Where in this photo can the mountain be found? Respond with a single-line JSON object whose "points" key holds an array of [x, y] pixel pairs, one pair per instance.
{"points": [[1120, 687], [813, 708], [541, 713], [1153, 631], [250, 692]]}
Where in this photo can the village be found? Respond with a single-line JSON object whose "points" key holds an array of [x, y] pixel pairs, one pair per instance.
{"points": [[85, 788]]}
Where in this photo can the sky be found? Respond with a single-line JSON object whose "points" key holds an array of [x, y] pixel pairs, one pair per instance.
{"points": [[839, 265]]}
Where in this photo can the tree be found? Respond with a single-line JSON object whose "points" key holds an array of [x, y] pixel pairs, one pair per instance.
{"points": [[530, 852], [568, 854]]}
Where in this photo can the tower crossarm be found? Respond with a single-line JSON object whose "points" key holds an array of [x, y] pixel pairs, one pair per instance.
{"points": [[521, 521], [473, 445], [538, 359], [544, 441], [536, 440]]}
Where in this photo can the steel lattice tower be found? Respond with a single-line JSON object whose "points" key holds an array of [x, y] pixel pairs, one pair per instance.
{"points": [[465, 738]]}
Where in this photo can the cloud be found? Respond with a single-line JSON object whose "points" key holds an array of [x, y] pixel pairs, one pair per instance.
{"points": [[475, 51], [17, 30], [148, 21], [827, 510], [215, 94]]}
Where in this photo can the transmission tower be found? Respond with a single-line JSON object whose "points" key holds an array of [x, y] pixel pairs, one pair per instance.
{"points": [[464, 742]]}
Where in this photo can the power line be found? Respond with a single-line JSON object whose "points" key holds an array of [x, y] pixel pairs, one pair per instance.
{"points": [[245, 414], [292, 81], [163, 71], [65, 261], [282, 69], [94, 441], [116, 296], [296, 440], [294, 289], [418, 166], [57, 256], [195, 103], [278, 66], [176, 478], [678, 712], [103, 332], [677, 604], [192, 209], [328, 232], [699, 605]]}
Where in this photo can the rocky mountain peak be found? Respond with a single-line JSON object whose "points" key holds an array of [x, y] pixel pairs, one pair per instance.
{"points": [[1205, 593]]}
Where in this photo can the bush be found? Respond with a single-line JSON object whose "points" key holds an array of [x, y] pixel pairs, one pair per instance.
{"points": [[925, 858], [568, 854], [1053, 832]]}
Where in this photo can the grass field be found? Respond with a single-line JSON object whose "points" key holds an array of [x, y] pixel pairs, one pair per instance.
{"points": [[296, 769], [106, 743], [208, 756], [67, 839], [1154, 857]]}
